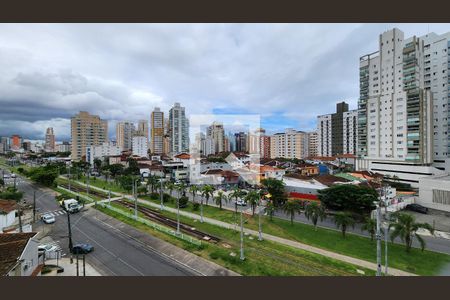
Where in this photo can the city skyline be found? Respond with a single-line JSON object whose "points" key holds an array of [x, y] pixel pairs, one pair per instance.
{"points": [[39, 90]]}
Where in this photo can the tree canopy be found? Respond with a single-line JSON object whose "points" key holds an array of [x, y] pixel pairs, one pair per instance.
{"points": [[349, 197]]}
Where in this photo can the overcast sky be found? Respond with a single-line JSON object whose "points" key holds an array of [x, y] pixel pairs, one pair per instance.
{"points": [[287, 73]]}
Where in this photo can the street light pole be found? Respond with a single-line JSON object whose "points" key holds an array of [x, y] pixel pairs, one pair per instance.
{"points": [[378, 242], [70, 232], [259, 223], [34, 206], [386, 234], [242, 239], [109, 197], [87, 186], [161, 192], [135, 199], [69, 178], [178, 213]]}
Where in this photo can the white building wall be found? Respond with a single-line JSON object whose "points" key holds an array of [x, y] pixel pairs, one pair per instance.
{"points": [[140, 146]]}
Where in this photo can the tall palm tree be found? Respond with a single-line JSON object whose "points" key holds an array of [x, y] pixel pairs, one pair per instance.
{"points": [[219, 198], [406, 228], [207, 192], [315, 211], [152, 181], [270, 209], [193, 189], [170, 186], [181, 188], [370, 225], [236, 194], [291, 207], [253, 198], [343, 220]]}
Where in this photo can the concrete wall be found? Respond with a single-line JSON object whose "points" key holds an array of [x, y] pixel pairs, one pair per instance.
{"points": [[426, 187]]}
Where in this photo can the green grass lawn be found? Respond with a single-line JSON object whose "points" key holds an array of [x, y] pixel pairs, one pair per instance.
{"points": [[422, 263], [262, 258], [100, 183]]}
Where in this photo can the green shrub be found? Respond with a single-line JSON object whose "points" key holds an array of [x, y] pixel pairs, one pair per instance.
{"points": [[195, 206], [183, 202]]}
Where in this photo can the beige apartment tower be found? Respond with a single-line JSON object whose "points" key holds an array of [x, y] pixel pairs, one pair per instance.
{"points": [[50, 140], [157, 132], [87, 130]]}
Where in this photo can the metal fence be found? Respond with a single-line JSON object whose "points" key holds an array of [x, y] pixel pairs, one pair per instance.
{"points": [[153, 225]]}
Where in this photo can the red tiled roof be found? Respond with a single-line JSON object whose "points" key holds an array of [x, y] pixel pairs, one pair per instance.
{"points": [[322, 158], [346, 155], [183, 156], [11, 247], [329, 180], [7, 206]]}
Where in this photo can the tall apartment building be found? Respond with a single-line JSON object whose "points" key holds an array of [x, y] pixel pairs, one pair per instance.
{"points": [[312, 144], [142, 129], [254, 141], [140, 146], [157, 131], [178, 130], [86, 130], [289, 144], [124, 134], [264, 146], [216, 133], [241, 141], [337, 132], [63, 147], [403, 106], [232, 142], [50, 145], [16, 142]]}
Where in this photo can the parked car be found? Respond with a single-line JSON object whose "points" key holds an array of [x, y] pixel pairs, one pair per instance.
{"points": [[6, 176], [48, 219], [417, 208], [13, 175], [82, 248], [241, 202], [47, 248]]}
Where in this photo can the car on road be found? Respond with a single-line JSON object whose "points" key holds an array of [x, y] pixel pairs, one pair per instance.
{"points": [[13, 175], [6, 176], [82, 248], [417, 208], [47, 248], [241, 202], [48, 219]]}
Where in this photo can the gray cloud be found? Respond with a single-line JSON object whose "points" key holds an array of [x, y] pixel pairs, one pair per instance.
{"points": [[48, 72]]}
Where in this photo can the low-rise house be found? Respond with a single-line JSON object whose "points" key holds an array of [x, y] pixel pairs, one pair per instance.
{"points": [[19, 254], [218, 176], [8, 211], [307, 169]]}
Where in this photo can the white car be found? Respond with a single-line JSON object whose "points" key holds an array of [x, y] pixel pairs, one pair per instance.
{"points": [[241, 202], [6, 176], [13, 175], [47, 248], [48, 219]]}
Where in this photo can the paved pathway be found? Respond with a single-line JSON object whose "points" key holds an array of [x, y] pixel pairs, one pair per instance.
{"points": [[334, 255]]}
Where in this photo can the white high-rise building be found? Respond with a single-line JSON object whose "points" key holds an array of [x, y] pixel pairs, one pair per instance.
{"points": [[178, 130], [216, 133], [124, 134], [140, 146], [403, 106], [337, 132], [101, 151], [290, 144]]}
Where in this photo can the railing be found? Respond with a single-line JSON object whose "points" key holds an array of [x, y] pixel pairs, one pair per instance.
{"points": [[153, 225]]}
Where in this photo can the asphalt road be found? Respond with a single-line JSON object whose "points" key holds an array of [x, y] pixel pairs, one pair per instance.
{"points": [[115, 253]]}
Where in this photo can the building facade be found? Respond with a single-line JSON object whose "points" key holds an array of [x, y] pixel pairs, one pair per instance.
{"points": [[312, 144], [157, 131], [337, 132], [403, 104], [241, 141], [290, 144], [86, 130], [124, 134], [101, 151], [216, 134], [140, 146], [178, 130], [50, 140]]}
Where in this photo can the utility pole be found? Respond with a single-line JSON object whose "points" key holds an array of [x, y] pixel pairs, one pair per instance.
{"points": [[109, 197], [378, 241], [69, 178], [84, 264], [386, 234], [20, 219], [87, 186], [242, 239], [259, 223], [34, 206], [178, 212], [135, 199], [235, 214], [77, 267], [161, 192], [70, 232]]}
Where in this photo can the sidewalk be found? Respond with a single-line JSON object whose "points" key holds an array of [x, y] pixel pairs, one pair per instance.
{"points": [[70, 269], [327, 253]]}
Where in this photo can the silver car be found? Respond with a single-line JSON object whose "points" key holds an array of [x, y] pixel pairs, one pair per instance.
{"points": [[48, 219]]}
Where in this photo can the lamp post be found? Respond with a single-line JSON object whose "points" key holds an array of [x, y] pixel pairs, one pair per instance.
{"points": [[242, 257], [70, 166], [178, 211], [135, 198], [378, 235]]}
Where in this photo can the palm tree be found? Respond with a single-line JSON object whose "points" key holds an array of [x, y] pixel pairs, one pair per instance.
{"points": [[270, 209], [236, 193], [370, 225], [152, 181], [207, 191], [406, 228], [181, 188], [315, 211], [291, 207], [219, 198], [252, 198], [343, 220], [193, 189], [170, 186]]}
